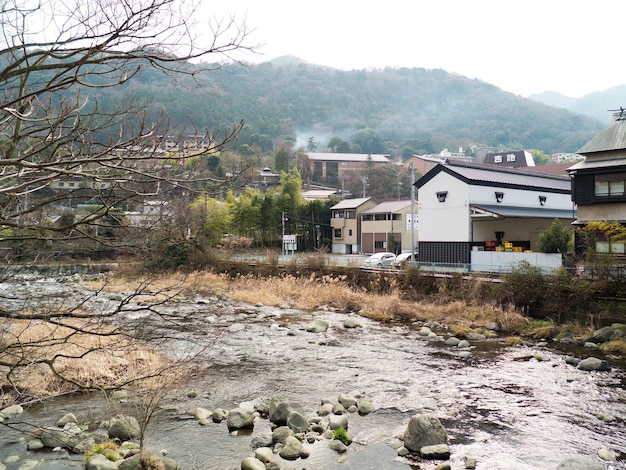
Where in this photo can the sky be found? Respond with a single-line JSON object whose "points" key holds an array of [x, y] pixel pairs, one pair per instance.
{"points": [[573, 47]]}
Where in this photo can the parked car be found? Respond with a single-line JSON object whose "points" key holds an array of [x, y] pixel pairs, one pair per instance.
{"points": [[380, 260], [402, 259]]}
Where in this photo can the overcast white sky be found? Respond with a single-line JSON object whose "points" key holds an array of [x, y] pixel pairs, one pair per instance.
{"points": [[574, 47]]}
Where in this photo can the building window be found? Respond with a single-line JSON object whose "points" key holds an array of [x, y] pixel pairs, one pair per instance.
{"points": [[442, 195], [349, 232], [380, 245], [367, 217], [610, 185], [338, 233], [605, 247]]}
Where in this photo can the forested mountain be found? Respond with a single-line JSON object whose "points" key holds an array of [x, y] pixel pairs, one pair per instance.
{"points": [[597, 105], [419, 109]]}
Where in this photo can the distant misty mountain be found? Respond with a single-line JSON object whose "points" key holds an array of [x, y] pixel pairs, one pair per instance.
{"points": [[598, 104], [396, 111]]}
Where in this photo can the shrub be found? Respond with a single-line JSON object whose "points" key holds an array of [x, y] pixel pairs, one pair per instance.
{"points": [[556, 239]]}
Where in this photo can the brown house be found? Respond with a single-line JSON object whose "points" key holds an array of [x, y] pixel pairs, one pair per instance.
{"points": [[599, 182]]}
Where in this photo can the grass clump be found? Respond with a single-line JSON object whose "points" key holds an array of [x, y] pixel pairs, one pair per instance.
{"points": [[108, 448], [341, 434]]}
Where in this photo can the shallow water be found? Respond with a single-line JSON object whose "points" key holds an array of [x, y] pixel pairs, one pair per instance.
{"points": [[501, 405]]}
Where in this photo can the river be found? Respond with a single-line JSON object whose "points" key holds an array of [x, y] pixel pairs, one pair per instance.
{"points": [[518, 407]]}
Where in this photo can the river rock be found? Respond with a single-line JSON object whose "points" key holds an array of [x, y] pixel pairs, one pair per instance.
{"points": [[264, 454], [338, 446], [337, 421], [119, 395], [202, 413], [10, 411], [124, 428], [325, 409], [338, 409], [35, 444], [423, 431], [240, 418], [291, 448], [572, 361], [317, 326], [578, 463], [607, 455], [347, 401], [279, 410], [297, 422], [452, 341], [68, 418], [463, 344], [219, 415], [602, 335], [281, 433], [100, 462], [593, 363], [68, 437], [436, 452], [252, 463], [471, 336], [365, 406], [350, 323], [262, 440]]}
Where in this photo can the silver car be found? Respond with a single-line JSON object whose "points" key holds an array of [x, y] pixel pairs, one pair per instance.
{"points": [[380, 260]]}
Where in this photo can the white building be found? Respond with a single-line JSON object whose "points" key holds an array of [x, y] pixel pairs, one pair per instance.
{"points": [[465, 207]]}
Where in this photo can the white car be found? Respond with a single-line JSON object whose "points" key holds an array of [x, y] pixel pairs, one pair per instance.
{"points": [[380, 260], [402, 259]]}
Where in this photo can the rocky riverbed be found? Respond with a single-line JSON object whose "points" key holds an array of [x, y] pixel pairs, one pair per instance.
{"points": [[530, 406]]}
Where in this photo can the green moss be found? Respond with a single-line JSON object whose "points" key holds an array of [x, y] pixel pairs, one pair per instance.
{"points": [[342, 435]]}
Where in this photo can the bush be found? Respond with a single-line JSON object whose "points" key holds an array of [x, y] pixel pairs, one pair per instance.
{"points": [[556, 239]]}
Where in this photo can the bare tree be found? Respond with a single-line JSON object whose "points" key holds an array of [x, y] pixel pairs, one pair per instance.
{"points": [[72, 130]]}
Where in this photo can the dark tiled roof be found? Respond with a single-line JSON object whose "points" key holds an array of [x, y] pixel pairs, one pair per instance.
{"points": [[475, 173]]}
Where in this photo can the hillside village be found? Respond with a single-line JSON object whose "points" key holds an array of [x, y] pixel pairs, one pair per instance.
{"points": [[461, 214]]}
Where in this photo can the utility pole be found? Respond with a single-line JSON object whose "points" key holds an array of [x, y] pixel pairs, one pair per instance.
{"points": [[412, 212], [282, 240]]}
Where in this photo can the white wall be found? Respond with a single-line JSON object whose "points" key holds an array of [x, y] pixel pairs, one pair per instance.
{"points": [[443, 221], [502, 261]]}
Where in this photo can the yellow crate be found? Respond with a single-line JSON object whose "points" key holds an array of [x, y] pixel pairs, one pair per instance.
{"points": [[499, 248]]}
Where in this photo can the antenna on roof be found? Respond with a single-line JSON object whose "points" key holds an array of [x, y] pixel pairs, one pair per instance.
{"points": [[618, 114]]}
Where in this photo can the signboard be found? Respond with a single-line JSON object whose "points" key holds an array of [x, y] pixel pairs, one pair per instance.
{"points": [[408, 221], [290, 243]]}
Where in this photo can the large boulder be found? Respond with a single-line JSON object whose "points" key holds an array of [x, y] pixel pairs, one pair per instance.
{"points": [[68, 437], [317, 326], [252, 463], [100, 462], [297, 422], [124, 428], [240, 418], [423, 431], [279, 411], [291, 448], [593, 363], [602, 335]]}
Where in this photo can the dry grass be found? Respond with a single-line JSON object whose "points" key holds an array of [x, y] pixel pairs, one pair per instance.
{"points": [[88, 359], [616, 346]]}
